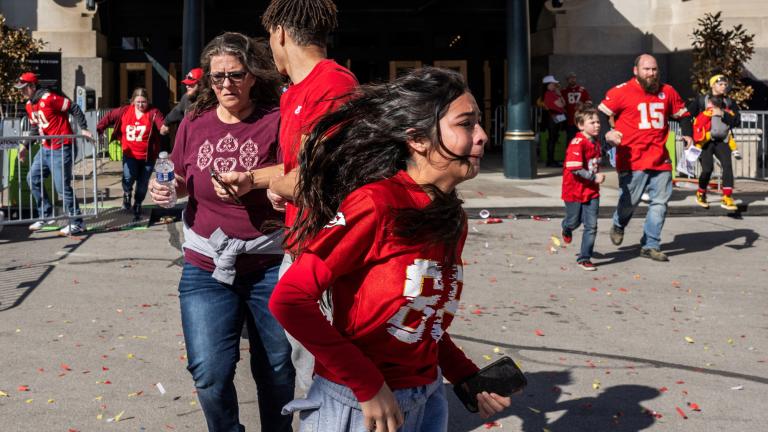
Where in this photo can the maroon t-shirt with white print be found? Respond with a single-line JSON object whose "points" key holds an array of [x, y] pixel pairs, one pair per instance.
{"points": [[206, 142]]}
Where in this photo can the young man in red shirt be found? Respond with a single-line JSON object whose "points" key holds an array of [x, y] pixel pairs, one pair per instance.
{"points": [[298, 30], [574, 96], [48, 114], [641, 109]]}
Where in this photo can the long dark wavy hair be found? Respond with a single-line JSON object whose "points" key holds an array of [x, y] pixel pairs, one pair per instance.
{"points": [[365, 140], [254, 54]]}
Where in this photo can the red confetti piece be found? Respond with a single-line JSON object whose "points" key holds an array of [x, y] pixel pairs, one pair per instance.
{"points": [[145, 305], [104, 368], [491, 425], [41, 370], [107, 382], [593, 289], [65, 367], [694, 406], [623, 290], [682, 414], [539, 332], [477, 312], [663, 389], [75, 281], [23, 388], [72, 430], [492, 279], [680, 382]]}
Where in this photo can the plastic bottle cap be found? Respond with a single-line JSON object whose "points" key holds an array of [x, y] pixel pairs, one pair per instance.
{"points": [[485, 214], [163, 155]]}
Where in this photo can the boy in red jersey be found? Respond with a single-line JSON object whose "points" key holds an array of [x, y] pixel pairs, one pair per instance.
{"points": [[48, 114], [641, 109], [581, 184], [381, 226], [298, 30]]}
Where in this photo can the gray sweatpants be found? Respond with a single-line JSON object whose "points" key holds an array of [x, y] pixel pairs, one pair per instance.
{"points": [[331, 407]]}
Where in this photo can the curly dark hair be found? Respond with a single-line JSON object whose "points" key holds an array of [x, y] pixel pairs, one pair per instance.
{"points": [[307, 21], [255, 56], [365, 140]]}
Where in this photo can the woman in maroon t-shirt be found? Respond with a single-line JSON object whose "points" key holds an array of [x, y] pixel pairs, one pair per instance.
{"points": [[231, 257]]}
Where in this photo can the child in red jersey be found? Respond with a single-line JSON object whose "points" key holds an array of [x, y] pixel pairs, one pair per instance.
{"points": [[581, 183], [381, 228]]}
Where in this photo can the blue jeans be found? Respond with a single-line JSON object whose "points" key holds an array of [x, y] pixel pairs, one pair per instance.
{"points": [[136, 171], [632, 184], [212, 315], [59, 163], [331, 407], [576, 214]]}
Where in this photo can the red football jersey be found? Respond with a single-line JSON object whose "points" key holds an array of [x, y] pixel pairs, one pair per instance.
{"points": [[643, 120], [51, 115], [135, 136], [392, 301], [582, 153], [574, 95], [554, 102], [302, 104]]}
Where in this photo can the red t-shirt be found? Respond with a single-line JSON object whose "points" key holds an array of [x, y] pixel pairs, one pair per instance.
{"points": [[302, 104], [51, 115], [574, 95], [582, 153], [643, 120], [392, 302], [554, 102], [206, 142], [135, 134]]}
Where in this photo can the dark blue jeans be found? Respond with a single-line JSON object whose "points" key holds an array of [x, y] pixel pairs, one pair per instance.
{"points": [[59, 164], [212, 315], [577, 214], [139, 172]]}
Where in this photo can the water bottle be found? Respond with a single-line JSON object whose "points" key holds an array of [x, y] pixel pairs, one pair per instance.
{"points": [[164, 176]]}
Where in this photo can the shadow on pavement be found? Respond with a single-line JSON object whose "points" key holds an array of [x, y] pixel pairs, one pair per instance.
{"points": [[616, 408], [686, 243]]}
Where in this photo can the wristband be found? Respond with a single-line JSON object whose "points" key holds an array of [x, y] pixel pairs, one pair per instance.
{"points": [[253, 181]]}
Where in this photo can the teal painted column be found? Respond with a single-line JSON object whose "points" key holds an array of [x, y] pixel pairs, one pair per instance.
{"points": [[519, 145]]}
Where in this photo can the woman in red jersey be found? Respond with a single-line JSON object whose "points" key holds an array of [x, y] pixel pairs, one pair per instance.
{"points": [[137, 126], [381, 229]]}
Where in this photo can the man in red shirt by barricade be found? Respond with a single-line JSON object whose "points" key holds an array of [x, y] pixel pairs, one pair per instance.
{"points": [[641, 109], [48, 114]]}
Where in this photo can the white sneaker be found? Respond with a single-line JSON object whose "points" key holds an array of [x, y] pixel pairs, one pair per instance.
{"points": [[72, 229], [37, 226], [737, 154], [645, 197]]}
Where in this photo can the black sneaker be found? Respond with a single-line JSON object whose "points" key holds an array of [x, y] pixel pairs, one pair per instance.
{"points": [[617, 235], [586, 265], [567, 236], [126, 202], [653, 254], [136, 212]]}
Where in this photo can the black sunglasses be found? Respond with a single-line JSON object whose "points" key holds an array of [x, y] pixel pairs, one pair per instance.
{"points": [[236, 77]]}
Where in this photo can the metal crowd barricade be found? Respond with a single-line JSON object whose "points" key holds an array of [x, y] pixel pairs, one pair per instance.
{"points": [[16, 195]]}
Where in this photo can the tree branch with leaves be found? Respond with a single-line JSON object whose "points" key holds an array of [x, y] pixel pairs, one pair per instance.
{"points": [[16, 46], [720, 51]]}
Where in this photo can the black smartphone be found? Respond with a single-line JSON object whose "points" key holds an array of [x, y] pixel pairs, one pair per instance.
{"points": [[230, 192], [502, 377]]}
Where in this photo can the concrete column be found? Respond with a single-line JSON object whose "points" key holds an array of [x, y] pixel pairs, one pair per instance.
{"points": [[519, 150]]}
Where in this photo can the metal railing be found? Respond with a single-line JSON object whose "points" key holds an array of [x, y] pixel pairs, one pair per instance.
{"points": [[24, 189]]}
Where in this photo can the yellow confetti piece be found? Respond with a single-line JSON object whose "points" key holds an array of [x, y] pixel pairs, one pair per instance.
{"points": [[534, 410], [50, 401], [98, 398], [130, 356], [100, 416], [689, 339], [596, 384], [18, 330], [556, 241], [133, 394], [487, 357], [3, 394], [193, 403], [496, 350], [730, 341], [140, 337], [117, 417], [29, 400]]}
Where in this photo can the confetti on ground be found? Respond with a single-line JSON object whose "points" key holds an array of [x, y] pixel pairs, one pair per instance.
{"points": [[689, 339], [681, 412], [23, 388], [160, 388], [596, 384], [534, 410], [3, 394], [694, 406], [493, 424], [539, 332], [738, 387]]}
